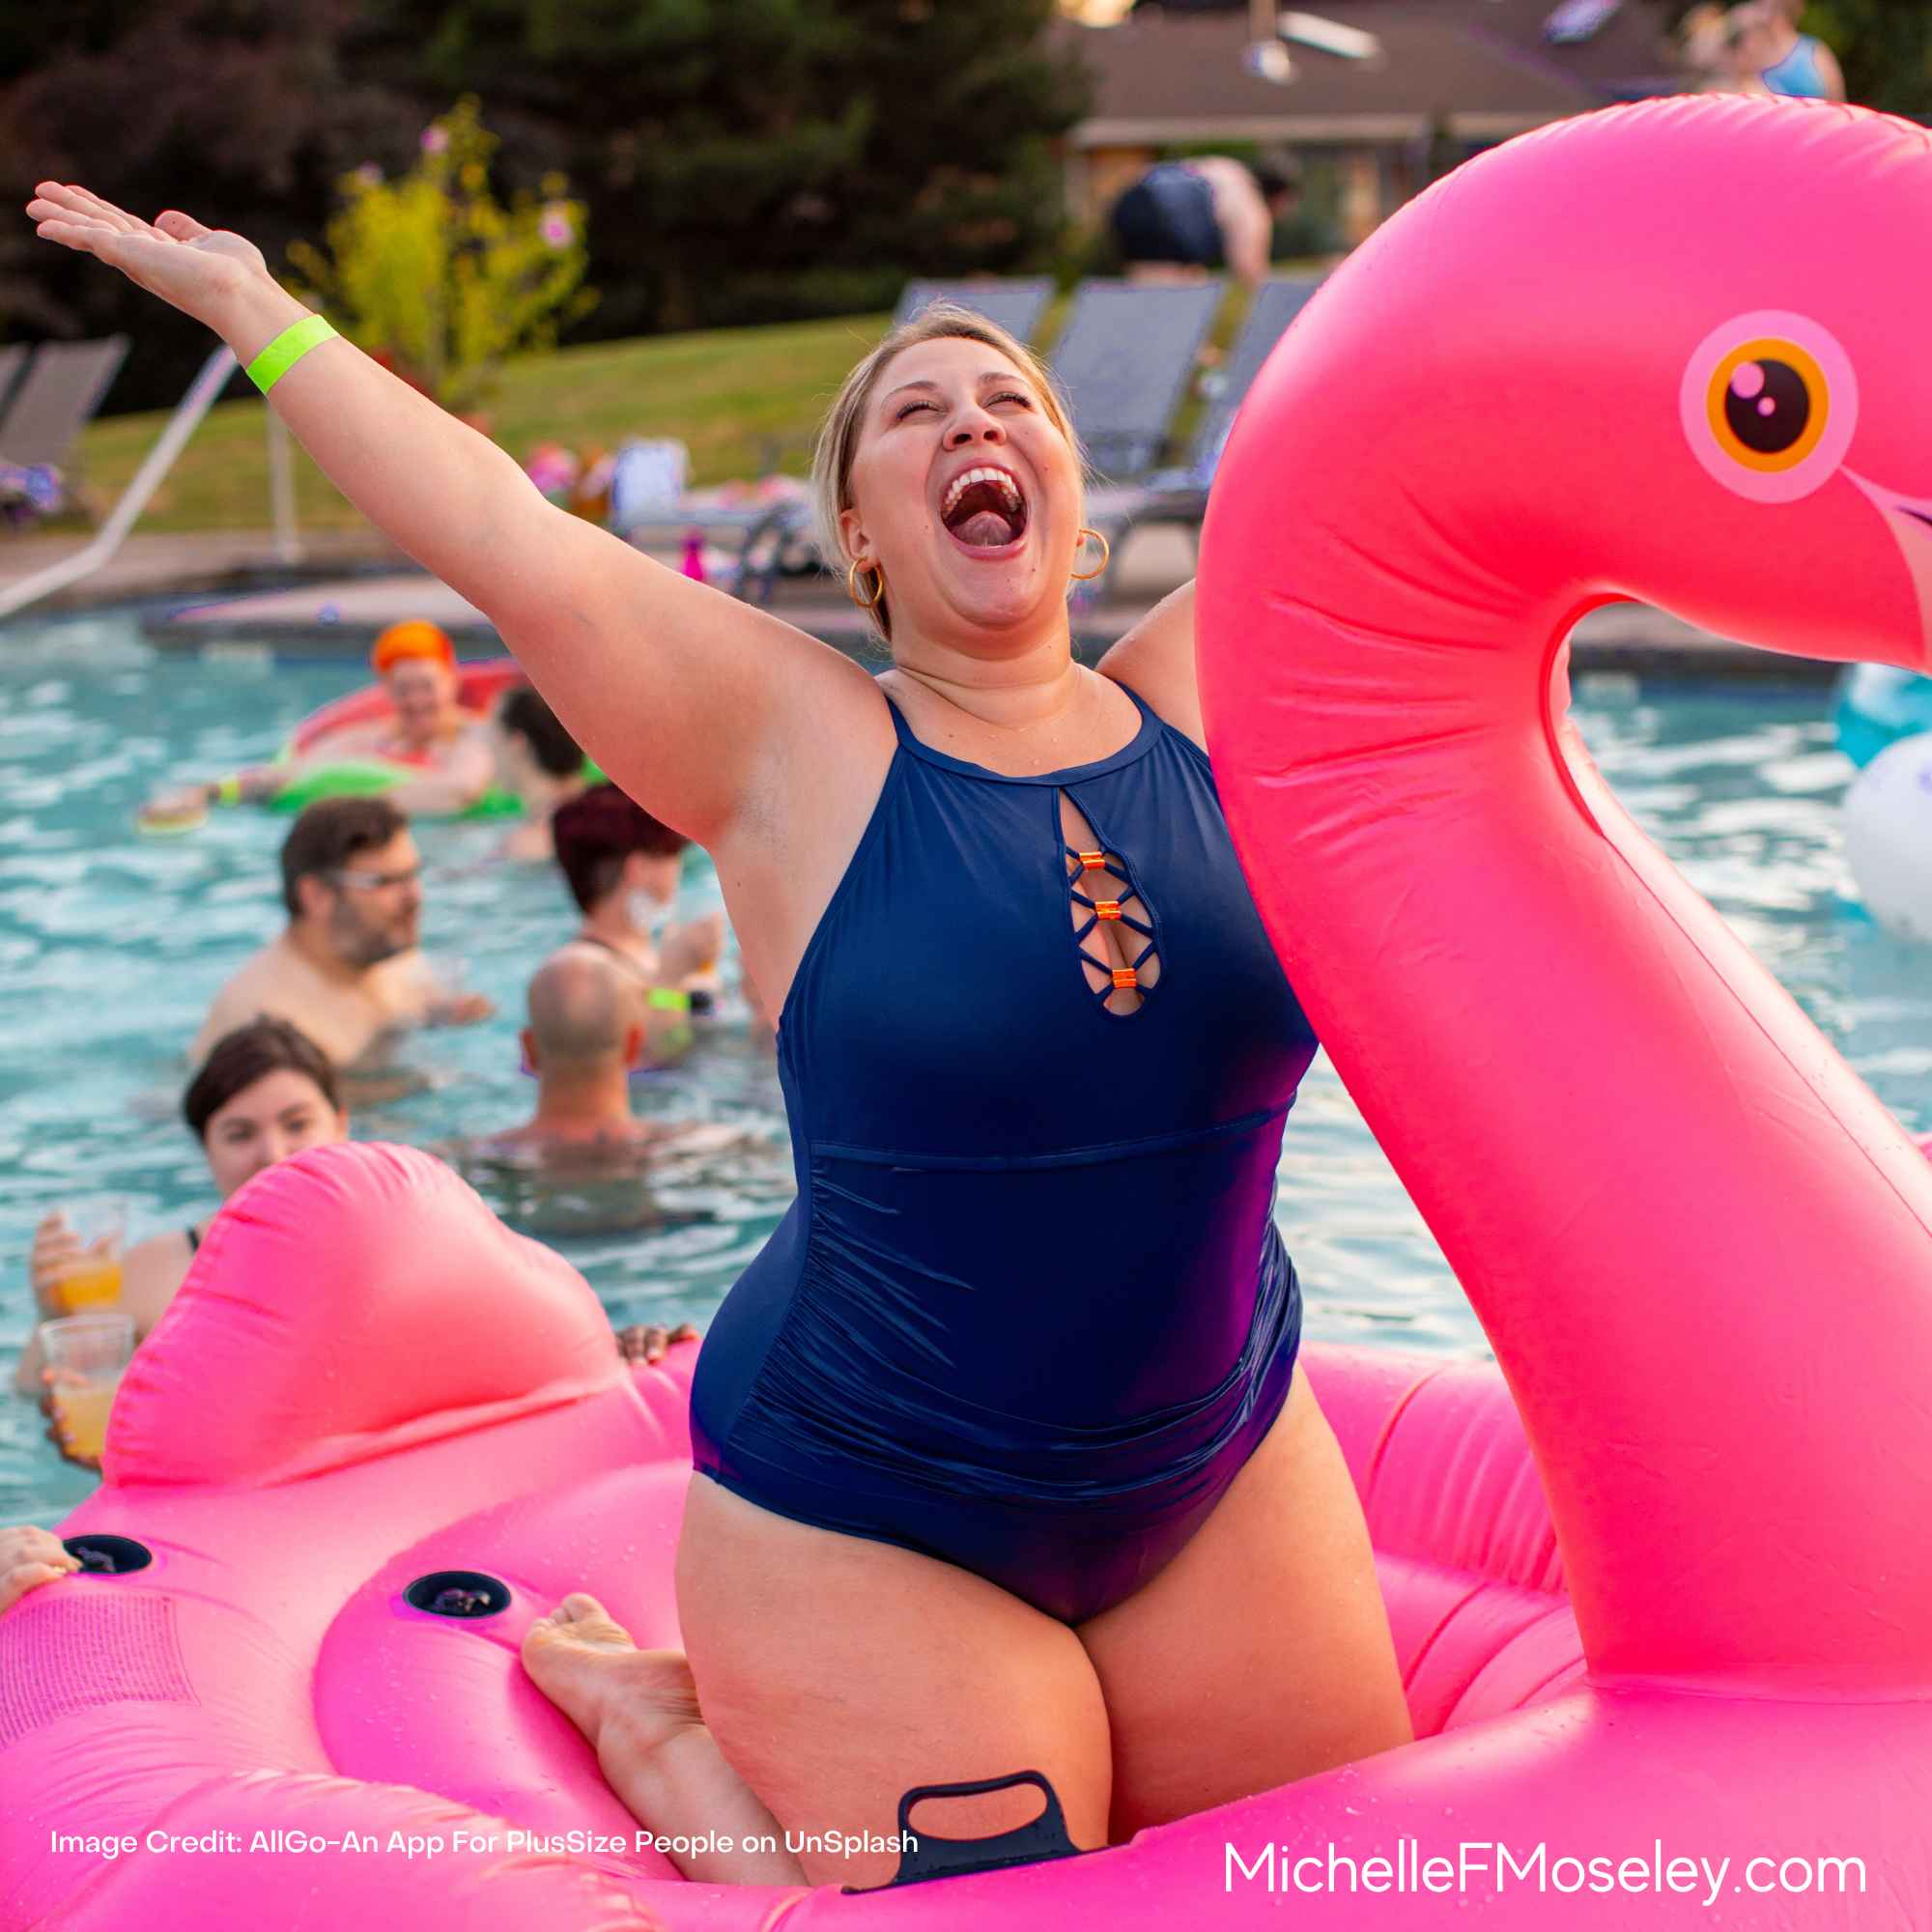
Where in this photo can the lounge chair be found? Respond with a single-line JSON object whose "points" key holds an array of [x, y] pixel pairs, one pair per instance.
{"points": [[764, 527], [1016, 305], [51, 404], [12, 359], [1180, 495], [1125, 358]]}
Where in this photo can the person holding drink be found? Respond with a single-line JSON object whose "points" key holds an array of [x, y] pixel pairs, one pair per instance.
{"points": [[264, 1092], [1008, 1455], [81, 1352], [84, 1356], [77, 1254]]}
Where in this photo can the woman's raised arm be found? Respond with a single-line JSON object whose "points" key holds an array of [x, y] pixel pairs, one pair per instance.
{"points": [[678, 692]]}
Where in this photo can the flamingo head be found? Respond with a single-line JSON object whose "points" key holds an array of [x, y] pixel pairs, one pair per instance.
{"points": [[1675, 350]]}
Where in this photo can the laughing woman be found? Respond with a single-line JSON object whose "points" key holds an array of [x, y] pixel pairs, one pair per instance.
{"points": [[1005, 1461]]}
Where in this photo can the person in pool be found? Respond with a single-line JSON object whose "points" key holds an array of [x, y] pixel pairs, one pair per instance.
{"points": [[346, 969], [537, 761], [622, 868], [582, 1042], [426, 727], [1006, 1460], [264, 1092]]}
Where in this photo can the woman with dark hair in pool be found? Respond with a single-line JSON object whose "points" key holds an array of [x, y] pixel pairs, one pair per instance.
{"points": [[1007, 1458], [537, 761], [264, 1092], [622, 868]]}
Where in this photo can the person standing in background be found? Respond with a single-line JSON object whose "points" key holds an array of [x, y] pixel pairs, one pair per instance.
{"points": [[1784, 59], [1208, 212], [1755, 48]]}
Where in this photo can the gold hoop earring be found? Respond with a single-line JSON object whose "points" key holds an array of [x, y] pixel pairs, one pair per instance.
{"points": [[1101, 568], [872, 601]]}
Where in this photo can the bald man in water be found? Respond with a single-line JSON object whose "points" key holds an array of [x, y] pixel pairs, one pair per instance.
{"points": [[581, 1042]]}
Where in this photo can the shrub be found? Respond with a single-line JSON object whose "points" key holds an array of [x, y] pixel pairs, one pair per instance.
{"points": [[433, 276]]}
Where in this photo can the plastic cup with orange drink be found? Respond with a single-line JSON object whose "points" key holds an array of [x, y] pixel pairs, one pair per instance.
{"points": [[91, 1277], [84, 1356]]}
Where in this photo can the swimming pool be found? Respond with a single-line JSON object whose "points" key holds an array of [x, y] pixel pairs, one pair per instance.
{"points": [[111, 945]]}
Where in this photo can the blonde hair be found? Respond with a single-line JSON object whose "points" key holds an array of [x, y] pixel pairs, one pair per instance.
{"points": [[839, 435]]}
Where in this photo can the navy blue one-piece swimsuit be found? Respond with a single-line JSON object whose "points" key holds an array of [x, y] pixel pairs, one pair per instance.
{"points": [[1029, 1313]]}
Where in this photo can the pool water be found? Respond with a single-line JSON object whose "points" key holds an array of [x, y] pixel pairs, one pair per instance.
{"points": [[111, 945]]}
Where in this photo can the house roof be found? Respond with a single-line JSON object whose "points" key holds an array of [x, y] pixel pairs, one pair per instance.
{"points": [[1483, 67]]}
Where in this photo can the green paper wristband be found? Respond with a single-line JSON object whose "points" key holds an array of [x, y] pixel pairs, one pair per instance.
{"points": [[668, 999], [287, 350]]}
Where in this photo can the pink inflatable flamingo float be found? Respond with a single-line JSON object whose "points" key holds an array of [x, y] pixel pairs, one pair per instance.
{"points": [[1674, 352], [1669, 351]]}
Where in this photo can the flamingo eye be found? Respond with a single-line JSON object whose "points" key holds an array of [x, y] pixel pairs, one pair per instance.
{"points": [[1769, 403]]}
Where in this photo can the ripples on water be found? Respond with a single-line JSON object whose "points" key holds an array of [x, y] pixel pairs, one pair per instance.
{"points": [[111, 945]]}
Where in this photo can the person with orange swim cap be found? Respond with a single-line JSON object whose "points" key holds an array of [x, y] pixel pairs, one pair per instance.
{"points": [[412, 638], [426, 727]]}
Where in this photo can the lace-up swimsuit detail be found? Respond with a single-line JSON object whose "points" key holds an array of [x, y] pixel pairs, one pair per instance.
{"points": [[1029, 1313]]}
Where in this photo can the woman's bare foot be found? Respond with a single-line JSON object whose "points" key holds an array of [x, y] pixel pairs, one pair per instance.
{"points": [[638, 1711], [619, 1696]]}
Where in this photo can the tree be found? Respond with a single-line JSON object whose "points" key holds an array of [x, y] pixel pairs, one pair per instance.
{"points": [[740, 161], [1884, 47], [235, 110], [435, 277], [748, 158]]}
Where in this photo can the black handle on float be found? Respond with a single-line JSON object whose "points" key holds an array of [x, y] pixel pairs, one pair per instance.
{"points": [[928, 1856]]}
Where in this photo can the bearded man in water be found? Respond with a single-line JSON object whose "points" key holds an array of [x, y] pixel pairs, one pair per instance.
{"points": [[346, 969]]}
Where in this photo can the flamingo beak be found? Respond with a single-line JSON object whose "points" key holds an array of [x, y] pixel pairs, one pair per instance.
{"points": [[1908, 518]]}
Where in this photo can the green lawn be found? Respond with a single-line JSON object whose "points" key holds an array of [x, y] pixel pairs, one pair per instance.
{"points": [[728, 394]]}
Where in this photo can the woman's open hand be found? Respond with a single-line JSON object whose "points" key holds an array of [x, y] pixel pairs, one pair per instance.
{"points": [[195, 268]]}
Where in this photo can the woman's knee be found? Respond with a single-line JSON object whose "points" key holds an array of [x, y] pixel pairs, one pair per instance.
{"points": [[836, 1673], [1210, 1701]]}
